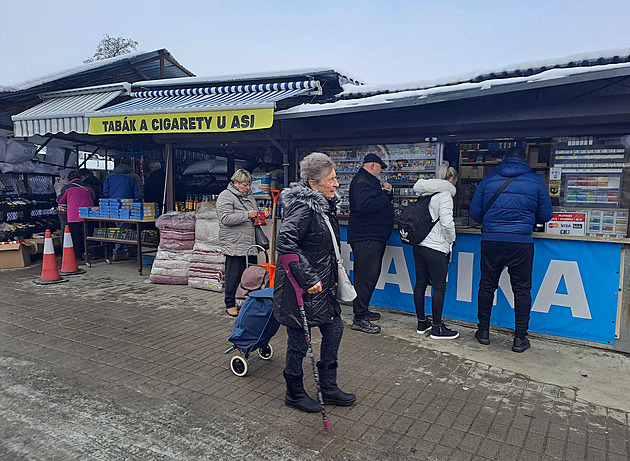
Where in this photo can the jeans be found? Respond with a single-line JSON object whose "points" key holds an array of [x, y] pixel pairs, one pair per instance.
{"points": [[234, 268], [63, 221], [431, 269], [368, 256], [297, 347], [518, 257]]}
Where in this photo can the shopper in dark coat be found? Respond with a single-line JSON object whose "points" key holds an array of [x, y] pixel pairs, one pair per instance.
{"points": [[154, 185], [370, 226], [121, 183], [507, 239], [96, 184], [304, 232]]}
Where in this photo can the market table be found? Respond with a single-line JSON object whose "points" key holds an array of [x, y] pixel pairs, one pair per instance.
{"points": [[138, 242]]}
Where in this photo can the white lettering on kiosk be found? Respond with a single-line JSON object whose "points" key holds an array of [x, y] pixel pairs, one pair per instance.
{"points": [[346, 251], [547, 296], [465, 276], [575, 299], [401, 276], [506, 288]]}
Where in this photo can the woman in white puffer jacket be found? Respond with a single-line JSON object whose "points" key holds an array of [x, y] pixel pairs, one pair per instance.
{"points": [[432, 255]]}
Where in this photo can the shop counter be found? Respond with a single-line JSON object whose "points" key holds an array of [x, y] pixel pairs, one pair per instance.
{"points": [[577, 285], [137, 242]]}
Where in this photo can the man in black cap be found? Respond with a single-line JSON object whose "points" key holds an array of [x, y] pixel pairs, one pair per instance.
{"points": [[370, 225]]}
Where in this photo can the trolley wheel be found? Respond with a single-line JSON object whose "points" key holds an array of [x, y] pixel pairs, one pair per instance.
{"points": [[266, 352], [108, 261], [88, 264], [239, 365]]}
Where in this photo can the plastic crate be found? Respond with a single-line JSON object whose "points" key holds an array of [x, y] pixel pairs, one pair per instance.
{"points": [[100, 232], [113, 232], [150, 236]]}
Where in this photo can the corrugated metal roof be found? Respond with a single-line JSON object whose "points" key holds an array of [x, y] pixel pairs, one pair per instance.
{"points": [[525, 69], [440, 94], [130, 68]]}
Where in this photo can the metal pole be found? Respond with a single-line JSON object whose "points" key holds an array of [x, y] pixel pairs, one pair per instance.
{"points": [[169, 190]]}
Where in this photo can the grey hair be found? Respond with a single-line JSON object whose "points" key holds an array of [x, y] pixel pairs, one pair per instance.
{"points": [[447, 172], [242, 176], [315, 166]]}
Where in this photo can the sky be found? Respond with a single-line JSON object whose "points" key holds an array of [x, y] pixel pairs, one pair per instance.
{"points": [[375, 42]]}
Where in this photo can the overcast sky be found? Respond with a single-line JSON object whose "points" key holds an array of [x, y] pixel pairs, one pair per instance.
{"points": [[373, 41]]}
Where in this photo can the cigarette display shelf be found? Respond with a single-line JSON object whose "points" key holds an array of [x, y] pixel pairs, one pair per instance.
{"points": [[406, 162], [591, 170]]}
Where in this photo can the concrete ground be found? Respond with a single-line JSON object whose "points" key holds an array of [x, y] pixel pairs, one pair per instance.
{"points": [[109, 367]]}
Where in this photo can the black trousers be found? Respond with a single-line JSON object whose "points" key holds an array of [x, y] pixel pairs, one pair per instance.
{"points": [[518, 258], [368, 256], [78, 242], [234, 267], [431, 269], [297, 347]]}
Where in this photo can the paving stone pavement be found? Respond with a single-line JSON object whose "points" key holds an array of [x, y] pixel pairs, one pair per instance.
{"points": [[108, 367]]}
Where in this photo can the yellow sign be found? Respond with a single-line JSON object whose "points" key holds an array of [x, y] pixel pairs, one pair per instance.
{"points": [[219, 121], [554, 188]]}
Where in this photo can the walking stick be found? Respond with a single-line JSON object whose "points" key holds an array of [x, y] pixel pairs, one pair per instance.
{"points": [[299, 292], [274, 225]]}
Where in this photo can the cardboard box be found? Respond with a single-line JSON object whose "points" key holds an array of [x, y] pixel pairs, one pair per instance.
{"points": [[37, 242], [15, 254]]}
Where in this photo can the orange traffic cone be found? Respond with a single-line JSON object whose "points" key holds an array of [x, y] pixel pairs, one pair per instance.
{"points": [[50, 273], [69, 264]]}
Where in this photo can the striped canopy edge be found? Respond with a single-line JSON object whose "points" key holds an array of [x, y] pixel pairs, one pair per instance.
{"points": [[262, 87]]}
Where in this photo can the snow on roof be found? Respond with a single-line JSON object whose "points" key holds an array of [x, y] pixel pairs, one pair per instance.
{"points": [[240, 77], [512, 70], [71, 71], [553, 76]]}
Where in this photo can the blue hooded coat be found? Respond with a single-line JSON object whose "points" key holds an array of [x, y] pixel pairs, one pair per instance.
{"points": [[523, 203]]}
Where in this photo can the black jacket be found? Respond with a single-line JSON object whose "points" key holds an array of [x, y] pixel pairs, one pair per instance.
{"points": [[305, 233], [371, 209], [154, 187]]}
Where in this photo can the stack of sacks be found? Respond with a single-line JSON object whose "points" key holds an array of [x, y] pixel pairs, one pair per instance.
{"points": [[177, 238], [207, 266]]}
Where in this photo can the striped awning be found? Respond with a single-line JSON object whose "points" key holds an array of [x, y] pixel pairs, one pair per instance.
{"points": [[65, 111], [214, 98]]}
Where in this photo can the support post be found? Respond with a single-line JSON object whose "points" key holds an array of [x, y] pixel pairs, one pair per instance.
{"points": [[231, 164], [169, 189]]}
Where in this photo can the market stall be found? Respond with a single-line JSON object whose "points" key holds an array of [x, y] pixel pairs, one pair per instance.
{"points": [[578, 281]]}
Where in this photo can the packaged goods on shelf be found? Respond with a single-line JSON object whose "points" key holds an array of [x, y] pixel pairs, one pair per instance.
{"points": [[261, 184], [406, 164]]}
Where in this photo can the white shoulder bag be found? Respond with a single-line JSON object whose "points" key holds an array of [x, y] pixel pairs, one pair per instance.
{"points": [[345, 289]]}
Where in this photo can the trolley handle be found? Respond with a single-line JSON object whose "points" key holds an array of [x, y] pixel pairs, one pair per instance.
{"points": [[259, 248]]}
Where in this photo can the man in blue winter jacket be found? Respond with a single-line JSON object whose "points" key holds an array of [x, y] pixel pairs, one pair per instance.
{"points": [[123, 182], [508, 220]]}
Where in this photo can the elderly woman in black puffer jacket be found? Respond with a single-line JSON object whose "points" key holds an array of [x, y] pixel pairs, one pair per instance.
{"points": [[304, 232]]}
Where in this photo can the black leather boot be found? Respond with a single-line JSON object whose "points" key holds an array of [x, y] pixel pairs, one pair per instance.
{"points": [[331, 393], [296, 396]]}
